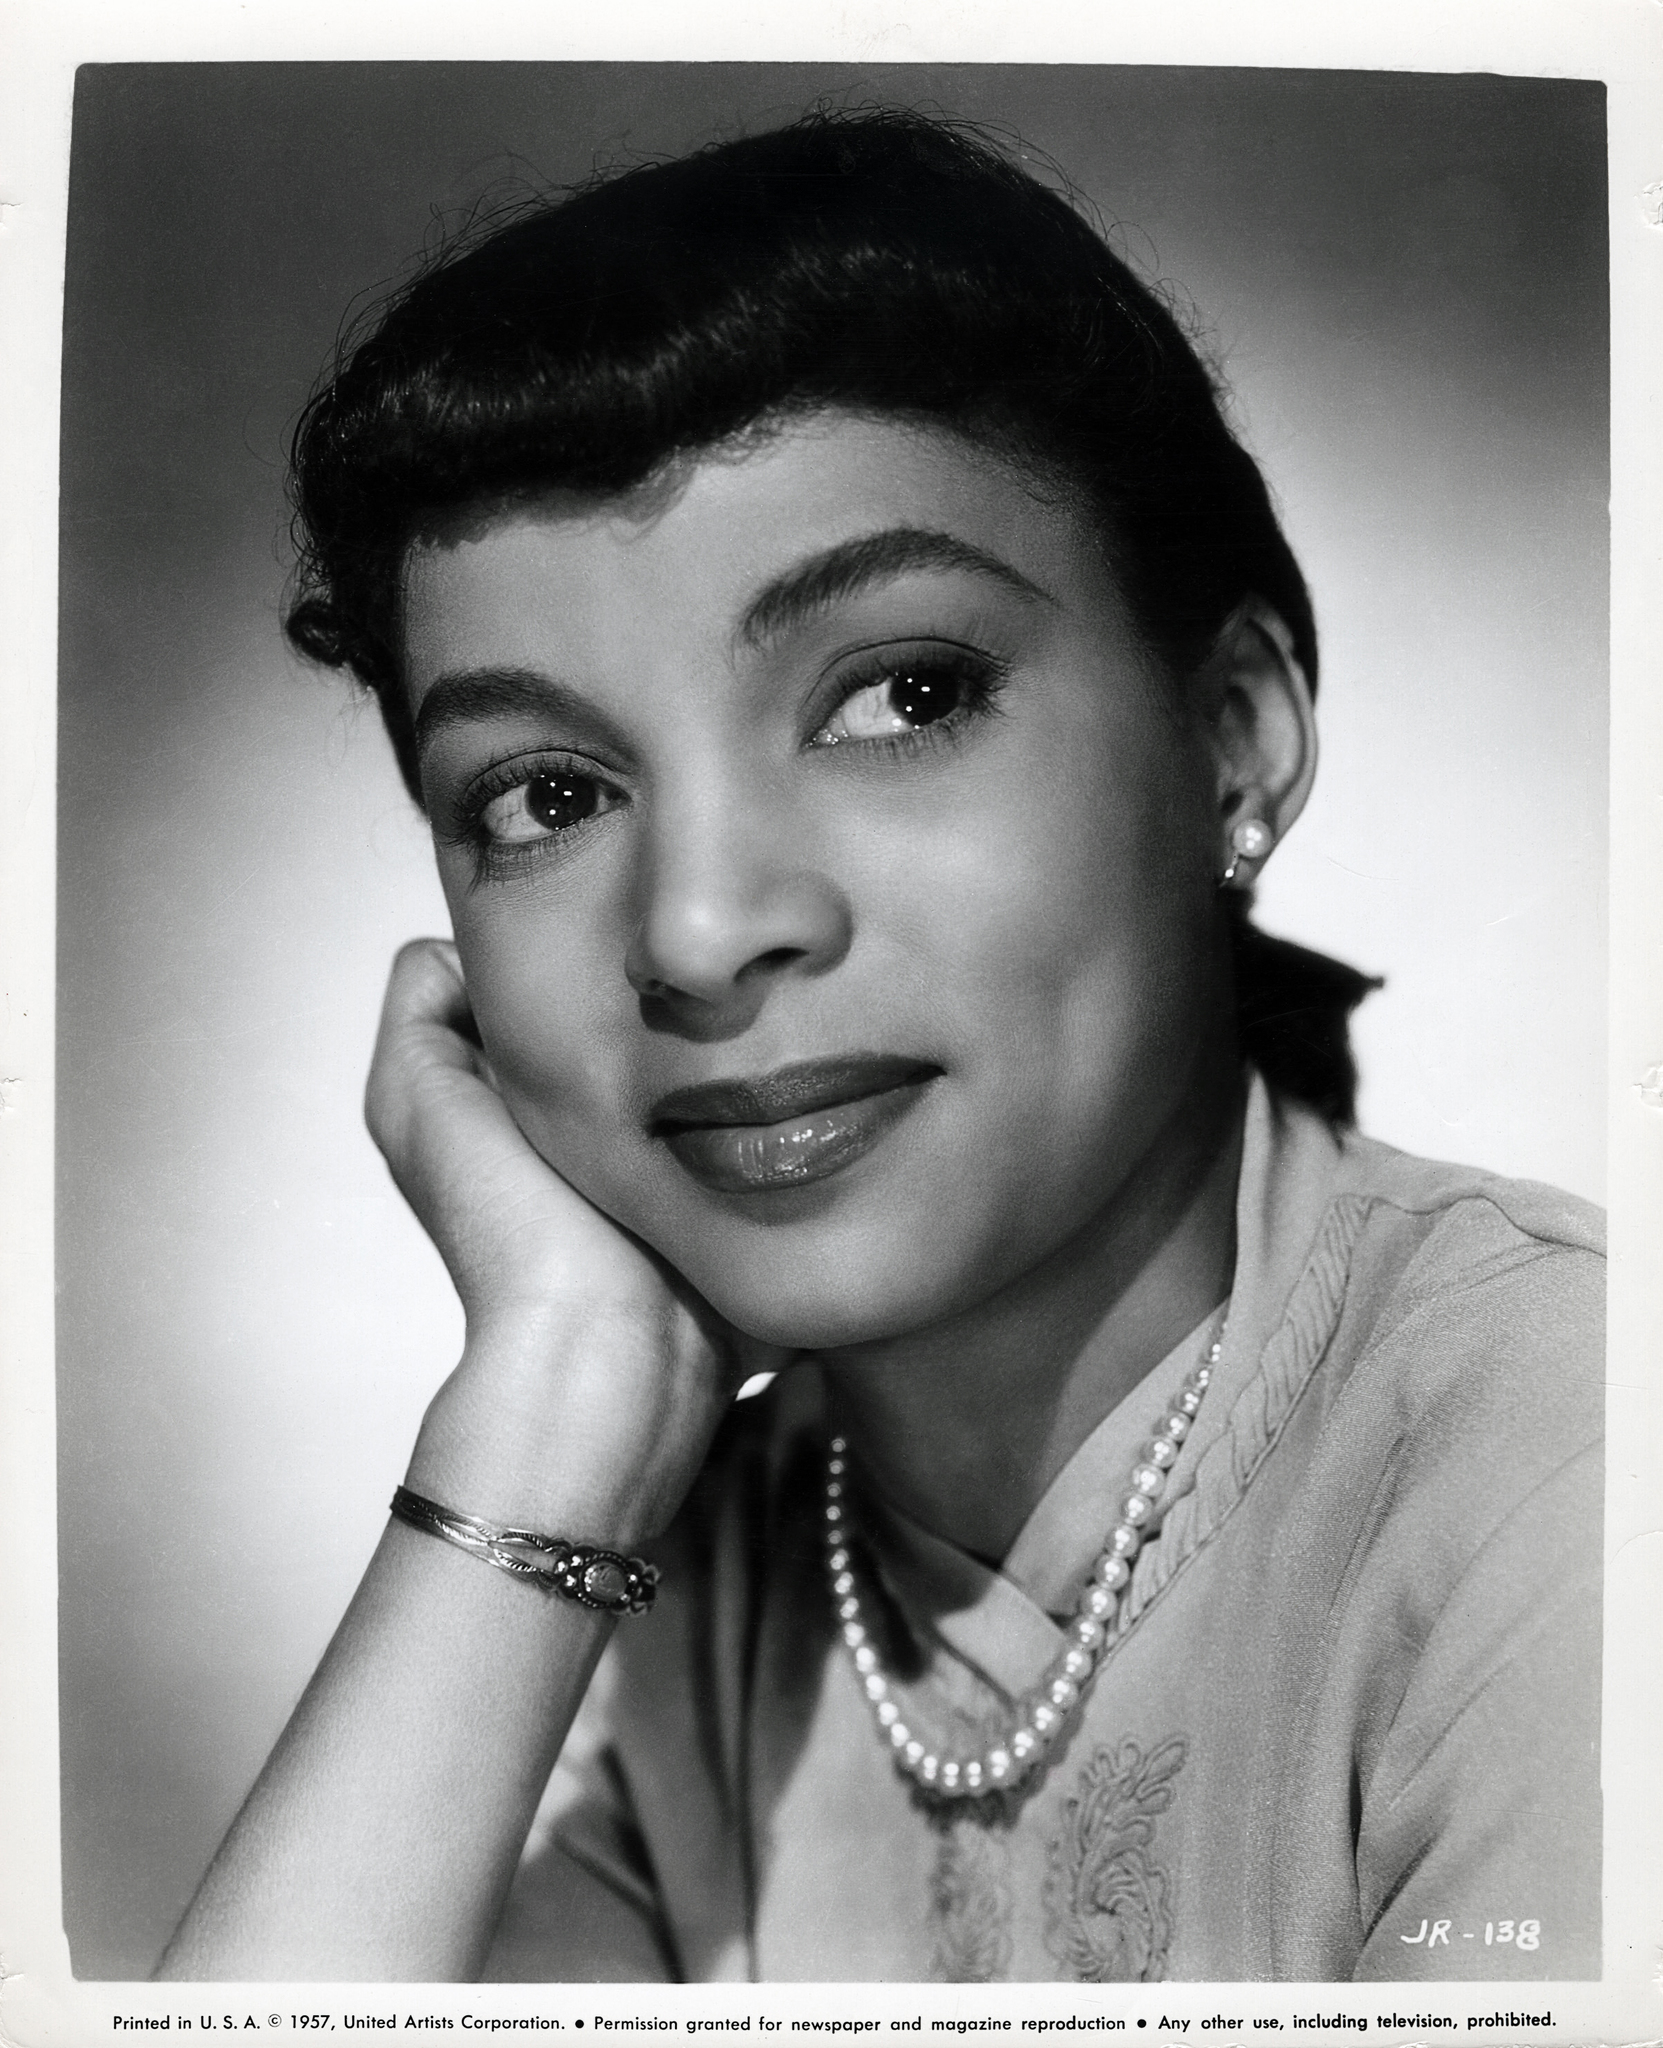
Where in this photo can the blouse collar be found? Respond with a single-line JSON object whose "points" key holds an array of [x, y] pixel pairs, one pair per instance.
{"points": [[1008, 1623]]}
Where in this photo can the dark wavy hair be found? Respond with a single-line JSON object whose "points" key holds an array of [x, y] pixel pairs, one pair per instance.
{"points": [[880, 262]]}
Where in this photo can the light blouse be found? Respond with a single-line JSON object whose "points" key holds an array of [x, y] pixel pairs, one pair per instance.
{"points": [[1348, 1727]]}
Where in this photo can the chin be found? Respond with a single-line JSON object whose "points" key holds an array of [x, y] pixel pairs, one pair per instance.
{"points": [[822, 1287], [806, 1318]]}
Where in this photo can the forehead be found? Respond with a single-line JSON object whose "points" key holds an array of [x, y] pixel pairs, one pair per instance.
{"points": [[690, 554]]}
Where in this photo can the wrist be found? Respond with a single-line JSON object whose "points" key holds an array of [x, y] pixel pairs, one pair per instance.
{"points": [[589, 1575], [546, 1481], [550, 1427]]}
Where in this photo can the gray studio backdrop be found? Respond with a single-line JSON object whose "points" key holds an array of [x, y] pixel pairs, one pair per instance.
{"points": [[1405, 280]]}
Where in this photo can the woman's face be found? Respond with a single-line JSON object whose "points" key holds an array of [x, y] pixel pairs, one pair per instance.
{"points": [[832, 876]]}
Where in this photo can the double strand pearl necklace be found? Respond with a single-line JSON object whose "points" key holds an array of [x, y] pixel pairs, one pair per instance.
{"points": [[1024, 1745]]}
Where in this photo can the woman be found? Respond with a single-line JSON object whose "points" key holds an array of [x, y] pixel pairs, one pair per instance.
{"points": [[855, 679]]}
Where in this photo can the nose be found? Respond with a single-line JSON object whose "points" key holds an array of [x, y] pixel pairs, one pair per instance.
{"points": [[729, 907]]}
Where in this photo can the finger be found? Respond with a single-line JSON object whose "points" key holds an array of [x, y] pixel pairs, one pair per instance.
{"points": [[426, 1008], [426, 986], [426, 1022]]}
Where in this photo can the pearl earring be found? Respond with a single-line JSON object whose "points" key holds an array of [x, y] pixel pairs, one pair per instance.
{"points": [[1250, 840]]}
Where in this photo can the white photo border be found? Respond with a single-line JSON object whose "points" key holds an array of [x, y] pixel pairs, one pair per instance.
{"points": [[1619, 41]]}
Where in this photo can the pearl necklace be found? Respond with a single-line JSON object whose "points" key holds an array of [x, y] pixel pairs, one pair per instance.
{"points": [[1025, 1744]]}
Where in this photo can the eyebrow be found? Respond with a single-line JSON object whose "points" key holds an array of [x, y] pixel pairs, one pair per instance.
{"points": [[852, 565], [465, 696]]}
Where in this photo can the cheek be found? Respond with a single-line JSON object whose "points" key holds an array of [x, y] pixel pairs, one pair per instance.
{"points": [[1067, 897], [1070, 957]]}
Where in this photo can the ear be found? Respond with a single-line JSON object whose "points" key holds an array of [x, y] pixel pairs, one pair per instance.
{"points": [[1261, 727]]}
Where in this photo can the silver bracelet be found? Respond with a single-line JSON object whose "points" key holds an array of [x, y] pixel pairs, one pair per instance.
{"points": [[605, 1580]]}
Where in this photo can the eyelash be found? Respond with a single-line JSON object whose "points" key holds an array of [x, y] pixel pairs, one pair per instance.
{"points": [[980, 678], [496, 857]]}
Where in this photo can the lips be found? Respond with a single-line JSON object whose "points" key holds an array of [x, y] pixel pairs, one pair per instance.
{"points": [[795, 1125]]}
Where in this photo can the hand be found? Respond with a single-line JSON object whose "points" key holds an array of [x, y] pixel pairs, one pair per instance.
{"points": [[589, 1386], [592, 1377]]}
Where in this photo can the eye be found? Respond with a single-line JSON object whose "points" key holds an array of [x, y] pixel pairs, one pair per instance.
{"points": [[906, 698], [541, 806]]}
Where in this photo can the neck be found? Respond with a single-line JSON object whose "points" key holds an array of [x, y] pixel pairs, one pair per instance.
{"points": [[964, 1425]]}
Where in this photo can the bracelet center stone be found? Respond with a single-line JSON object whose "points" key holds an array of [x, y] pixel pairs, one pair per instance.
{"points": [[605, 1580]]}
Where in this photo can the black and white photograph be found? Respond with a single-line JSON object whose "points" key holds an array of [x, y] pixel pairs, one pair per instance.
{"points": [[834, 1043]]}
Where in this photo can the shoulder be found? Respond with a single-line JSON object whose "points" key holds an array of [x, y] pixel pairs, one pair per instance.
{"points": [[1456, 1201], [1455, 1247], [1444, 1458], [1471, 1335]]}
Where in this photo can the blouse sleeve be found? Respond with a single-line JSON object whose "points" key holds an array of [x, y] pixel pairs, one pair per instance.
{"points": [[583, 1907], [1478, 1844]]}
